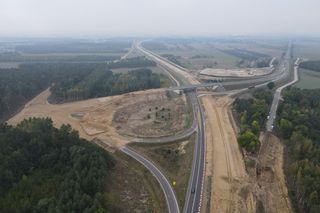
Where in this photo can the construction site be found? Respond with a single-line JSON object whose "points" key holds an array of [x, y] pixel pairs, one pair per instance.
{"points": [[230, 183]]}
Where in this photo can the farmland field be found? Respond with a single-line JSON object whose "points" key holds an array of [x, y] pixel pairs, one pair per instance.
{"points": [[201, 54], [308, 79]]}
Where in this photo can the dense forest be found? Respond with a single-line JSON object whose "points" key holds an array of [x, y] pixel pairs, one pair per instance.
{"points": [[44, 169], [253, 113], [38, 58], [299, 125], [310, 65], [18, 85], [102, 82], [74, 46]]}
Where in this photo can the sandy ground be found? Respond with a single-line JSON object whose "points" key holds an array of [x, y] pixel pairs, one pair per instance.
{"points": [[271, 178], [225, 169], [92, 118], [249, 72], [132, 120], [229, 185]]}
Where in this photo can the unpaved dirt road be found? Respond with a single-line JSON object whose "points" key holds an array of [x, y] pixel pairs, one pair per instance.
{"points": [[225, 166], [92, 118]]}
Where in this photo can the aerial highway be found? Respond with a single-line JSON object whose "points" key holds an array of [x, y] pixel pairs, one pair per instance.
{"points": [[194, 192], [277, 97]]}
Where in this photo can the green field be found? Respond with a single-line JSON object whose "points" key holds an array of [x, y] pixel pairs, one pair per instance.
{"points": [[197, 55], [308, 79]]}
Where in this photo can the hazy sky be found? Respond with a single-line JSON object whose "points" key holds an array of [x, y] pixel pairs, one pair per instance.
{"points": [[157, 17]]}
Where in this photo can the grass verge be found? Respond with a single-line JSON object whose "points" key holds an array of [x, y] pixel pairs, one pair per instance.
{"points": [[174, 159], [132, 187]]}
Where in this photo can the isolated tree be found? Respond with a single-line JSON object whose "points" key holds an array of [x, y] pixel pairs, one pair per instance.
{"points": [[271, 85]]}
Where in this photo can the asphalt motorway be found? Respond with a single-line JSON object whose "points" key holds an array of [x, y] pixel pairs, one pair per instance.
{"points": [[195, 187], [194, 192], [277, 96], [170, 195]]}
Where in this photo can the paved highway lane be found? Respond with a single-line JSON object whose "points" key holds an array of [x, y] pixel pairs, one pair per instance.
{"points": [[194, 192], [277, 97], [170, 196]]}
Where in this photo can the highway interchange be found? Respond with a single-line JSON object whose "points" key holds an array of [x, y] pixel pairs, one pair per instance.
{"points": [[195, 188]]}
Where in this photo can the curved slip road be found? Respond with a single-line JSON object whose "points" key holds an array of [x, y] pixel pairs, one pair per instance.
{"points": [[170, 196]]}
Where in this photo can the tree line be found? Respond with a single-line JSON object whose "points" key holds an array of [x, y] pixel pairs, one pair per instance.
{"points": [[103, 82], [19, 85], [310, 65], [299, 125], [253, 113], [44, 169]]}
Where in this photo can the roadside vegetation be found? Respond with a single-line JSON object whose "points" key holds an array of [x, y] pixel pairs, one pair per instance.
{"points": [[299, 126], [44, 169], [175, 159], [252, 114], [132, 186]]}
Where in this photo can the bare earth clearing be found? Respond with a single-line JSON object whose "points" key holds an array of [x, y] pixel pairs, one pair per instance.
{"points": [[273, 191], [155, 115], [241, 72], [228, 186], [225, 169], [93, 118]]}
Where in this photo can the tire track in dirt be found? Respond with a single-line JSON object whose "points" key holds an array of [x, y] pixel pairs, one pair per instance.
{"points": [[226, 157], [226, 161]]}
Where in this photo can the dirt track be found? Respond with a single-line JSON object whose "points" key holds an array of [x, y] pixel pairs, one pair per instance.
{"points": [[271, 178], [228, 185], [92, 118], [225, 167]]}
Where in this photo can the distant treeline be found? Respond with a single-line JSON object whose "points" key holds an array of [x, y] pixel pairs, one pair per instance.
{"points": [[44, 169], [102, 82], [154, 45], [249, 58], [19, 85], [245, 54], [75, 47], [311, 65], [18, 57], [299, 125]]}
